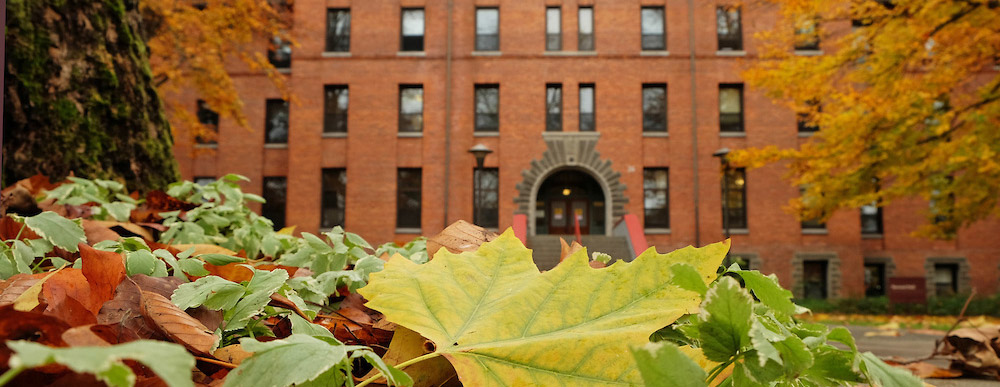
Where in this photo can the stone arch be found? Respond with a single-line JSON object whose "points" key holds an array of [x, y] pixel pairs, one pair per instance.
{"points": [[576, 151]]}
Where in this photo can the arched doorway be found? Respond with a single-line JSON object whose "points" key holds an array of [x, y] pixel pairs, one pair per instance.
{"points": [[568, 194]]}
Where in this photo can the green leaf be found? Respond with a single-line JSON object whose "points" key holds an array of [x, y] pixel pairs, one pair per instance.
{"points": [[258, 294], [55, 229], [880, 374], [393, 376], [843, 336], [664, 365], [140, 262], [193, 267], [121, 211], [770, 293], [688, 278], [356, 240], [171, 362], [24, 257], [832, 367], [293, 360], [220, 259], [796, 357], [301, 326], [726, 319], [214, 292], [500, 322]]}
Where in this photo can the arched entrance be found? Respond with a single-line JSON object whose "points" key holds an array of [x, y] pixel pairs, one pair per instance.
{"points": [[568, 194]]}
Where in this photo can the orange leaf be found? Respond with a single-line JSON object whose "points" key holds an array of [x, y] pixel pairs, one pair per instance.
{"points": [[177, 325], [104, 271]]}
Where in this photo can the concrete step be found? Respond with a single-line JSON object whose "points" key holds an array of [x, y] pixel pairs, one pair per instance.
{"points": [[546, 248]]}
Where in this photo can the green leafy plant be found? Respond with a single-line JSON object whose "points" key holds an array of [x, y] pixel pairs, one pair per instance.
{"points": [[752, 339], [111, 198], [171, 362], [26, 256]]}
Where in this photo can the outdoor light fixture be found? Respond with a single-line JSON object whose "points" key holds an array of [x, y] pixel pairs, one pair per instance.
{"points": [[566, 191], [480, 152]]}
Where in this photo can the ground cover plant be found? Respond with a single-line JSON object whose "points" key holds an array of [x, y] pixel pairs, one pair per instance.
{"points": [[189, 286]]}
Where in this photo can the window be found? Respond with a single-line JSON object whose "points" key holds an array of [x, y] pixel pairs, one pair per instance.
{"points": [[408, 198], [338, 30], [279, 53], [810, 225], [487, 108], [553, 29], [806, 34], [731, 107], [486, 197], [587, 108], [210, 120], [276, 122], [654, 108], [874, 279], [806, 119], [487, 29], [653, 29], [656, 198], [553, 107], [728, 28], [735, 194], [203, 180], [333, 202], [871, 219], [814, 275], [275, 189], [945, 279], [412, 38], [335, 109], [585, 27], [411, 108]]}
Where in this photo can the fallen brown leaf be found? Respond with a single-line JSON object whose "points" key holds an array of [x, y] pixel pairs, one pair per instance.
{"points": [[15, 286], [232, 354], [34, 326], [458, 237], [177, 325], [406, 345], [125, 309]]}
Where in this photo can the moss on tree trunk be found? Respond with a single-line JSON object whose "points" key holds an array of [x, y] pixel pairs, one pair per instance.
{"points": [[79, 95]]}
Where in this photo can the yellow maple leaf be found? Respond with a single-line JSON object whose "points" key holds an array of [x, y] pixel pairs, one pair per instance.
{"points": [[501, 322]]}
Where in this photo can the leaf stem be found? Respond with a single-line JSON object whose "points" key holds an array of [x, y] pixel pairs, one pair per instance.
{"points": [[400, 366], [722, 367], [10, 375], [23, 225]]}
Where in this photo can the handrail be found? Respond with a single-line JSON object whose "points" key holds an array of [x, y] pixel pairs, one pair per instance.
{"points": [[630, 228]]}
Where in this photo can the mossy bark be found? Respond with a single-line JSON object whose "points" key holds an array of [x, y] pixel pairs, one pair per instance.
{"points": [[79, 95]]}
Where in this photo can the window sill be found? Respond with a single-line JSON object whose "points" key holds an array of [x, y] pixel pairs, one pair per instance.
{"points": [[737, 231], [276, 146], [416, 54], [815, 231], [284, 70], [335, 135], [485, 53], [809, 52], [335, 54], [206, 146], [657, 231], [411, 134], [656, 134], [732, 134], [871, 236], [570, 53], [485, 134], [731, 53], [654, 53], [806, 134], [408, 231]]}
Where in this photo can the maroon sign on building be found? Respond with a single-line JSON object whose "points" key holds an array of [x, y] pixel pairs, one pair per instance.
{"points": [[910, 290]]}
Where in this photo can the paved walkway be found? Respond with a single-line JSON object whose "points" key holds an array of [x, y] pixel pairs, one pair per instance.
{"points": [[911, 345]]}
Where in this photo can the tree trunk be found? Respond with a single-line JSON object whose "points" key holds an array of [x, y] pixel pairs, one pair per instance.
{"points": [[79, 95]]}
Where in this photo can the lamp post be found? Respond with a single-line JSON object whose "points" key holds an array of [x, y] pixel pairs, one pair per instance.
{"points": [[479, 151], [721, 154]]}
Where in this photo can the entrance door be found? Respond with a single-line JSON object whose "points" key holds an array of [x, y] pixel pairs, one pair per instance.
{"points": [[562, 212]]}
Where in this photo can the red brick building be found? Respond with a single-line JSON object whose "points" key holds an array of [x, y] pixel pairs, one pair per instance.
{"points": [[598, 109]]}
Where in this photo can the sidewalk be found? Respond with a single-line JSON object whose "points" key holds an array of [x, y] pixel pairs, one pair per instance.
{"points": [[911, 346]]}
